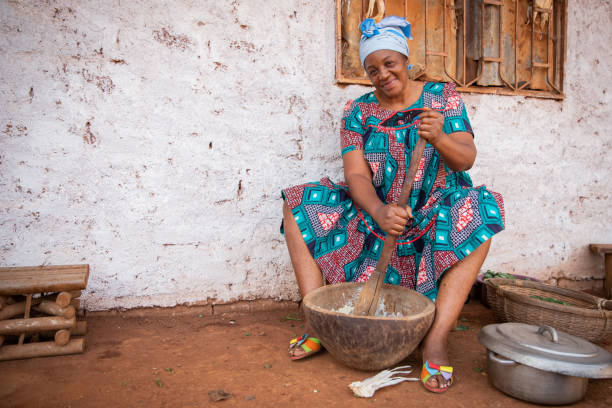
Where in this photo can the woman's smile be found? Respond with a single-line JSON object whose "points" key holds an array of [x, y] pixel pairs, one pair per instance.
{"points": [[390, 84]]}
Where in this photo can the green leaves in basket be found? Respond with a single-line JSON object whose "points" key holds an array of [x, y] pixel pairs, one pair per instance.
{"points": [[551, 300], [492, 274]]}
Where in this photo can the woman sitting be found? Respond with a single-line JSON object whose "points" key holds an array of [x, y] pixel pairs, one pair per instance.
{"points": [[337, 230]]}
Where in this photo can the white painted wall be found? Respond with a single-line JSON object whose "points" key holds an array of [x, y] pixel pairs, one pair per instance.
{"points": [[151, 139]]}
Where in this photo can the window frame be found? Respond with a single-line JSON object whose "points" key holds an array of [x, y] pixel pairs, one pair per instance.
{"points": [[558, 40]]}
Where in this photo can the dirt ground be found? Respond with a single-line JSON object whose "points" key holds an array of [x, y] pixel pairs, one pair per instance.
{"points": [[163, 360]]}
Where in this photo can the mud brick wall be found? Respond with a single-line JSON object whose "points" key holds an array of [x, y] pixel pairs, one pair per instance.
{"points": [[150, 139]]}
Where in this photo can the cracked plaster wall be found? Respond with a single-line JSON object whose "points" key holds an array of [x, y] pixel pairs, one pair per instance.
{"points": [[151, 140]]}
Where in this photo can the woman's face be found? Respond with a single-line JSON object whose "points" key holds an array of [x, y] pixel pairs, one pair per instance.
{"points": [[388, 71]]}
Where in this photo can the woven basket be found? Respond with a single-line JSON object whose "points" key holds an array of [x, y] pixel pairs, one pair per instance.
{"points": [[483, 291], [586, 318], [494, 301]]}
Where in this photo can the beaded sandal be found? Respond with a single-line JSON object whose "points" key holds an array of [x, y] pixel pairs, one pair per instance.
{"points": [[431, 369], [309, 345]]}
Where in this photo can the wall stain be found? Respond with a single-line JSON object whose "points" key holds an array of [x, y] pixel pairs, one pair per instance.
{"points": [[297, 102], [15, 131], [220, 65], [59, 13], [239, 191], [118, 61], [104, 83], [164, 36], [88, 136], [246, 46]]}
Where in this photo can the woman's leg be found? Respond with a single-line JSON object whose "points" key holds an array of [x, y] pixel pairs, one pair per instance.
{"points": [[307, 272], [454, 288]]}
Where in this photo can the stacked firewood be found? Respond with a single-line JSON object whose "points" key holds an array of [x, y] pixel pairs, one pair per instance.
{"points": [[41, 325]]}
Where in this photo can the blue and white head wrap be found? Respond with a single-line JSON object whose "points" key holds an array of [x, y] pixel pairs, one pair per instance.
{"points": [[390, 34]]}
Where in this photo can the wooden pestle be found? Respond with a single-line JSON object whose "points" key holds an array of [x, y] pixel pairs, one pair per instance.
{"points": [[368, 298]]}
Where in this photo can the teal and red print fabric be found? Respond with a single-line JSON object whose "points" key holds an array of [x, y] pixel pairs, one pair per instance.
{"points": [[451, 217]]}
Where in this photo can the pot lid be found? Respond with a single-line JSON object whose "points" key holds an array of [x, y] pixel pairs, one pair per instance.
{"points": [[547, 349]]}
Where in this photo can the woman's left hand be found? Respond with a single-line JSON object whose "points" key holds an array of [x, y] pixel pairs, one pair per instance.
{"points": [[431, 125]]}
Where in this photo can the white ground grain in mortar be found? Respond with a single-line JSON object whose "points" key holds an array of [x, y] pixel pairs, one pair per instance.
{"points": [[349, 308]]}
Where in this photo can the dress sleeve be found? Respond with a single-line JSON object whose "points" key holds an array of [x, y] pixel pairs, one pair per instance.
{"points": [[351, 131], [455, 114]]}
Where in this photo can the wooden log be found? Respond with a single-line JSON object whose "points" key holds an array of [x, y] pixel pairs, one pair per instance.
{"points": [[80, 329], [19, 308], [63, 299], [43, 349], [40, 279], [62, 337], [35, 324], [12, 310], [1, 340], [52, 308]]}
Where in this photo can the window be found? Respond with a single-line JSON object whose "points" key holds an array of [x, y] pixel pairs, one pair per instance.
{"points": [[510, 47]]}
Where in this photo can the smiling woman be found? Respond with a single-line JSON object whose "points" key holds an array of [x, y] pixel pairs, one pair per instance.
{"points": [[338, 230]]}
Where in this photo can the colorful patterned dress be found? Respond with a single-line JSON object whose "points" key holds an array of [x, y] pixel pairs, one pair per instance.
{"points": [[451, 217]]}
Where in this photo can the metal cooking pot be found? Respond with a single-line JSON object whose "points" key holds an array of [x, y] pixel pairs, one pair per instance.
{"points": [[534, 385], [540, 364]]}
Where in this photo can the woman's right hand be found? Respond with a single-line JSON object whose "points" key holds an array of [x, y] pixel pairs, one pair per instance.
{"points": [[392, 218]]}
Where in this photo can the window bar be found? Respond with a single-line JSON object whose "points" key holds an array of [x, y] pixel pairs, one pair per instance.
{"points": [[501, 6], [532, 44], [545, 65], [516, 46], [445, 54], [480, 61], [550, 36], [425, 4], [464, 43], [560, 40], [406, 17], [362, 12], [339, 73]]}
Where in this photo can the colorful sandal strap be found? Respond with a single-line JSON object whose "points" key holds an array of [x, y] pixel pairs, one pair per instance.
{"points": [[311, 344], [298, 341], [431, 369]]}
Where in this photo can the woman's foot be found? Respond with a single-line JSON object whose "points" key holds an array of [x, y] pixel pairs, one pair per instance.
{"points": [[437, 375], [303, 346]]}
